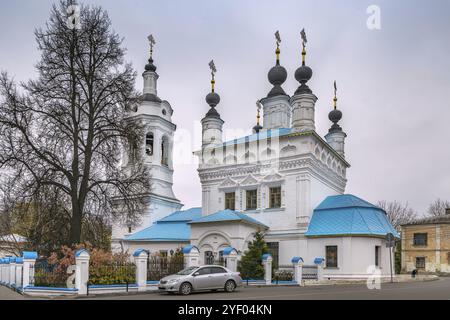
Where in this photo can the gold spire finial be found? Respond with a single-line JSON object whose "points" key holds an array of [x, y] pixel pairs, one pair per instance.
{"points": [[335, 95], [152, 42], [304, 42], [212, 66], [278, 51]]}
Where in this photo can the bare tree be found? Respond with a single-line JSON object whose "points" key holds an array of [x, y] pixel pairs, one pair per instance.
{"points": [[63, 132], [398, 213], [438, 207]]}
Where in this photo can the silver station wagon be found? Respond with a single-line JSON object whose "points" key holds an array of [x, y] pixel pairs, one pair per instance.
{"points": [[201, 278]]}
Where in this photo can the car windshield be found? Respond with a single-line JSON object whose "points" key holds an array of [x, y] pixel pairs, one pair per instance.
{"points": [[187, 271]]}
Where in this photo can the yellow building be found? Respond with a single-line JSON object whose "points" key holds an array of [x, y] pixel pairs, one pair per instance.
{"points": [[426, 245]]}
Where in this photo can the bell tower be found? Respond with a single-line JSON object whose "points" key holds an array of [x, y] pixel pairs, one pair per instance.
{"points": [[156, 149]]}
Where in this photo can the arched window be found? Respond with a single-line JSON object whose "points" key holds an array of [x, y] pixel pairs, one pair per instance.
{"points": [[149, 144], [165, 152]]}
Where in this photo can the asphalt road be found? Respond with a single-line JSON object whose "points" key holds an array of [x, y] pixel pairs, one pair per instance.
{"points": [[435, 290]]}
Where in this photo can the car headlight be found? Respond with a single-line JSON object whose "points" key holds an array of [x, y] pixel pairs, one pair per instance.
{"points": [[172, 281]]}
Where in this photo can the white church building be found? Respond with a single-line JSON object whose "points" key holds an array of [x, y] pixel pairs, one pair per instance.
{"points": [[285, 179]]}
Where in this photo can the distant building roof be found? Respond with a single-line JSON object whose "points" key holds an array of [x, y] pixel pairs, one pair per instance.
{"points": [[12, 238], [228, 215], [343, 215], [445, 219]]}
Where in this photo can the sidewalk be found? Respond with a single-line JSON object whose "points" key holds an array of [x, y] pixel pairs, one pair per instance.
{"points": [[399, 278], [8, 294]]}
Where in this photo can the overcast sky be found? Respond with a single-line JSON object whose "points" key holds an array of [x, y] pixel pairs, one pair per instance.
{"points": [[394, 83]]}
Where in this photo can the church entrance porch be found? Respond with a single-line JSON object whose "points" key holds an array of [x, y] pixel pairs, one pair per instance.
{"points": [[214, 258]]}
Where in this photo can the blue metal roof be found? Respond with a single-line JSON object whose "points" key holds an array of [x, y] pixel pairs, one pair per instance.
{"points": [[168, 231], [227, 215], [174, 227], [260, 136], [186, 215], [349, 215]]}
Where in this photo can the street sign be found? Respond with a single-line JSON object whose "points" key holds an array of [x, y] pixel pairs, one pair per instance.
{"points": [[390, 240], [390, 243]]}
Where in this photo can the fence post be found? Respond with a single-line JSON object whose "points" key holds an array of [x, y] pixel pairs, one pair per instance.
{"points": [[5, 267], [6, 271], [82, 271], [319, 262], [267, 263], [29, 259], [140, 259], [1, 270], [298, 269], [12, 271], [230, 254], [191, 256], [19, 268]]}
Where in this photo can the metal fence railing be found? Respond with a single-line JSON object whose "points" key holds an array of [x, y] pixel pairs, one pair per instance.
{"points": [[310, 272], [159, 267], [112, 273], [284, 273], [44, 274]]}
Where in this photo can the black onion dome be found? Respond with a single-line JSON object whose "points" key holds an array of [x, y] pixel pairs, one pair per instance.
{"points": [[150, 66], [212, 99], [335, 115], [277, 75], [303, 74]]}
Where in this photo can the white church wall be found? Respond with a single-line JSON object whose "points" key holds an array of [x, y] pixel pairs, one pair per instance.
{"points": [[319, 192], [355, 255]]}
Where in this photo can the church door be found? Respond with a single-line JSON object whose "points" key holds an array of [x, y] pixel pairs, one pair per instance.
{"points": [[209, 257]]}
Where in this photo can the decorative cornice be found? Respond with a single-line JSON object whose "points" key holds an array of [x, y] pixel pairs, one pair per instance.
{"points": [[307, 163]]}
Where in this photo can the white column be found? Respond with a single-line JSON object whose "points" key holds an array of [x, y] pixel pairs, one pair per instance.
{"points": [[29, 259], [231, 255], [140, 259], [267, 263], [298, 269], [191, 256], [82, 272]]}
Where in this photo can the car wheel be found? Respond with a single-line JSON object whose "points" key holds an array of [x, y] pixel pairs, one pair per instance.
{"points": [[230, 285], [185, 288]]}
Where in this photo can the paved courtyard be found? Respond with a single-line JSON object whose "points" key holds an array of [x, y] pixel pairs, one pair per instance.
{"points": [[439, 289]]}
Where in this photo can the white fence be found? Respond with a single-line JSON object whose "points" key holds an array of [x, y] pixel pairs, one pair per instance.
{"points": [[20, 273]]}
